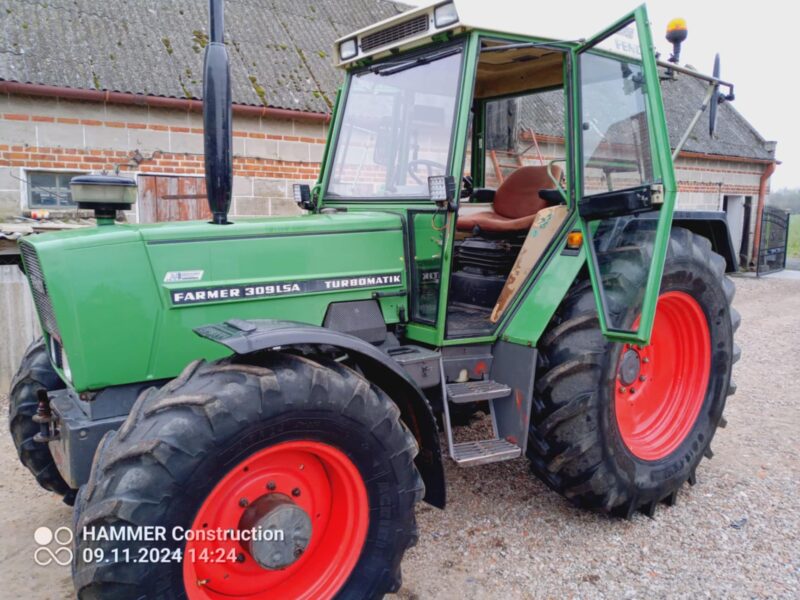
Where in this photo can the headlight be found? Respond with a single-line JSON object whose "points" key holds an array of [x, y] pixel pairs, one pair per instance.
{"points": [[445, 15], [65, 366], [348, 49]]}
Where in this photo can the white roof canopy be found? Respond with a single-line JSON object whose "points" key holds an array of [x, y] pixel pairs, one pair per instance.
{"points": [[521, 17]]}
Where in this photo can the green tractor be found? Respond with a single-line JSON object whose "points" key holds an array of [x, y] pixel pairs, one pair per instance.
{"points": [[253, 409]]}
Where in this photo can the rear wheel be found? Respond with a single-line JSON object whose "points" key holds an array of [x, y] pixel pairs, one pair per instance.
{"points": [[35, 375], [306, 448], [618, 427]]}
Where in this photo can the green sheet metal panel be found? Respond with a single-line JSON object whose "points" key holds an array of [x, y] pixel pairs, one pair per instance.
{"points": [[115, 290]]}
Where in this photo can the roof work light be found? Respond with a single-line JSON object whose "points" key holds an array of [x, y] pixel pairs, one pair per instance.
{"points": [[676, 35]]}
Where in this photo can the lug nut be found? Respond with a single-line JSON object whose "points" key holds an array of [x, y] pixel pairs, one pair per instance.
{"points": [[271, 485], [642, 378], [240, 557], [243, 502], [296, 492], [646, 360], [633, 391], [622, 390]]}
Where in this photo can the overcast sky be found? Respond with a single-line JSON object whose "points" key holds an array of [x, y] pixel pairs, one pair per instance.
{"points": [[754, 40]]}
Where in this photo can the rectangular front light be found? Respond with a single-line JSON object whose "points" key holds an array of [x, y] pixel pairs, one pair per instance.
{"points": [[444, 15], [442, 188], [348, 49], [301, 193]]}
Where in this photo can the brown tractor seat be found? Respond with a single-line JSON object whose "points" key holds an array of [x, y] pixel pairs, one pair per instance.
{"points": [[516, 202]]}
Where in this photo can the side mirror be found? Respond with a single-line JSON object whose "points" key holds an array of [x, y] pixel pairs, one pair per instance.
{"points": [[302, 196], [442, 189], [716, 99]]}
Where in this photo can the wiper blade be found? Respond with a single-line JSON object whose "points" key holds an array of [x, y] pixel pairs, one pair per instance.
{"points": [[390, 68], [526, 45]]}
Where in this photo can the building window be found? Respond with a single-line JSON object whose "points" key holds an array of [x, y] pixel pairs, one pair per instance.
{"points": [[50, 189]]}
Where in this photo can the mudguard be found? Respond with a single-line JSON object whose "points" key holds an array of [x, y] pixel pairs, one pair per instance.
{"points": [[710, 224], [246, 337]]}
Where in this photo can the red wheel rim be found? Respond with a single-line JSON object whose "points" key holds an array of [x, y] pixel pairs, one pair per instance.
{"points": [[660, 388], [322, 481]]}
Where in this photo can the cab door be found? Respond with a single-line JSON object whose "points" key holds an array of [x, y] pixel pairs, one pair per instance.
{"points": [[623, 172]]}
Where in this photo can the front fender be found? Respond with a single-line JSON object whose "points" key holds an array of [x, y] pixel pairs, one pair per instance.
{"points": [[247, 337]]}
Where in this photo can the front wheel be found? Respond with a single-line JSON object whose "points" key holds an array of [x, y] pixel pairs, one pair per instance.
{"points": [[619, 427], [34, 376], [288, 479]]}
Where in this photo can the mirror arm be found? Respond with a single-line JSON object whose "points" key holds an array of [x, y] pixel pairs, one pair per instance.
{"points": [[695, 119], [697, 75]]}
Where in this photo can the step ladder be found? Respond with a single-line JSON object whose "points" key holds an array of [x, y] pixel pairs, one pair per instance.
{"points": [[477, 452]]}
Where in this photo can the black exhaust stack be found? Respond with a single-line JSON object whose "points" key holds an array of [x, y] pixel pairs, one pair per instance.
{"points": [[217, 118]]}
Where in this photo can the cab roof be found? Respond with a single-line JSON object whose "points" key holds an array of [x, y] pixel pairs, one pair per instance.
{"points": [[417, 26]]}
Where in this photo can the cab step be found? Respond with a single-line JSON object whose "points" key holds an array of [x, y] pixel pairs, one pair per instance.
{"points": [[479, 452], [474, 391]]}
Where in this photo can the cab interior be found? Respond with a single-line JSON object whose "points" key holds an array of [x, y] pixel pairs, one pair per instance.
{"points": [[512, 173]]}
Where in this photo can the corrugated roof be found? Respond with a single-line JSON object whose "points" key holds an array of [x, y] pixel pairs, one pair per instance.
{"points": [[279, 53], [279, 48], [734, 136]]}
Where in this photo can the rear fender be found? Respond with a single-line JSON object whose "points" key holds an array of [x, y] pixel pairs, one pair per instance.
{"points": [[247, 337], [710, 224]]}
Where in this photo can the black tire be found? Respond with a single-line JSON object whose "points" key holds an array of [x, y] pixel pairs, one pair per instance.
{"points": [[35, 373], [179, 441], [574, 445]]}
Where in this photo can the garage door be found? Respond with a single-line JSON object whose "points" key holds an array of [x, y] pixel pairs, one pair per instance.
{"points": [[172, 198]]}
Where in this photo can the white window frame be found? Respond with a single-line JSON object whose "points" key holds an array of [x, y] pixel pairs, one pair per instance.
{"points": [[25, 191]]}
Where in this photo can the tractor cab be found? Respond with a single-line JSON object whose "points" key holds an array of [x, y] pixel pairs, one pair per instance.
{"points": [[530, 140]]}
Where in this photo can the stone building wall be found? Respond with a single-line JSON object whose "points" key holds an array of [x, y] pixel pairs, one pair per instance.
{"points": [[270, 155], [41, 134]]}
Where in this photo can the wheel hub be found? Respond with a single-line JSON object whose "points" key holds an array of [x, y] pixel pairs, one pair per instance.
{"points": [[282, 531], [629, 367]]}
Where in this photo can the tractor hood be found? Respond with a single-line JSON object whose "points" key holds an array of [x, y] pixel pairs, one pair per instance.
{"points": [[119, 303]]}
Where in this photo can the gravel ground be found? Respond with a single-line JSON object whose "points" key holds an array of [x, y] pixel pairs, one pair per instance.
{"points": [[736, 534]]}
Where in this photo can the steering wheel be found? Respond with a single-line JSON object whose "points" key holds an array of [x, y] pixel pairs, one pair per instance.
{"points": [[430, 165]]}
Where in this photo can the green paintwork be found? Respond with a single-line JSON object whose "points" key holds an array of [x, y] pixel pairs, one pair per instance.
{"points": [[118, 324], [335, 117], [663, 172], [114, 311]]}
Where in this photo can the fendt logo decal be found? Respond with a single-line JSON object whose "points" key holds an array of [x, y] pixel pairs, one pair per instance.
{"points": [[283, 288]]}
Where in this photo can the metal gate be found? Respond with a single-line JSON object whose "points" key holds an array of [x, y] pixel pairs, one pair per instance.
{"points": [[774, 238]]}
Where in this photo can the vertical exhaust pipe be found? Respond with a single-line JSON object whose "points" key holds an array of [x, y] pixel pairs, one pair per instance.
{"points": [[217, 118]]}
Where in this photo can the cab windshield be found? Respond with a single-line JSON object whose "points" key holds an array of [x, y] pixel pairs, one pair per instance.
{"points": [[397, 126]]}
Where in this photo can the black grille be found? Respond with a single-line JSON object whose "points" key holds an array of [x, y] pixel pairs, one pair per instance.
{"points": [[395, 33], [39, 289]]}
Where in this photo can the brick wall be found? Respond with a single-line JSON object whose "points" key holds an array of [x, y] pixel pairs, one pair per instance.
{"points": [[270, 155], [702, 183], [52, 134]]}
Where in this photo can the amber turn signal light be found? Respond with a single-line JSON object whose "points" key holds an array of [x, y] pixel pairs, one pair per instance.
{"points": [[574, 240]]}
